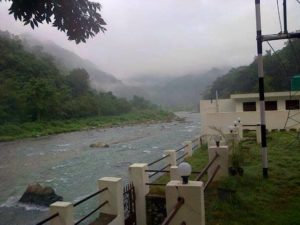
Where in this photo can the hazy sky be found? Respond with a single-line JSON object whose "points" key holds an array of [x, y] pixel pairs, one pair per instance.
{"points": [[170, 37]]}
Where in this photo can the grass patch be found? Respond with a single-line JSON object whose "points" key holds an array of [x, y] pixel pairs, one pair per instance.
{"points": [[13, 131], [275, 201]]}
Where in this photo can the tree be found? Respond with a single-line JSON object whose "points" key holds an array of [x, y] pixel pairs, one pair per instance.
{"points": [[79, 19], [78, 80]]}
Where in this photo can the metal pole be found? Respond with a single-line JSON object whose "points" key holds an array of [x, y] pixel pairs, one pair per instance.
{"points": [[217, 101], [261, 90], [284, 17]]}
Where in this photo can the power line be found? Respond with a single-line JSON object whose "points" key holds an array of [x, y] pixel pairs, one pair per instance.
{"points": [[279, 16], [295, 54], [279, 59]]}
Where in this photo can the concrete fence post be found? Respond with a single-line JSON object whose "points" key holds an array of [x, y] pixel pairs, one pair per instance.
{"points": [[192, 211], [114, 196], [240, 131], [188, 148], [197, 141], [172, 157], [236, 134], [139, 178], [258, 134], [66, 213], [174, 173], [222, 160]]}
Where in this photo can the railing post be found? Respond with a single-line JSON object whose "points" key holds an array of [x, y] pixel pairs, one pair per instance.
{"points": [[139, 178], [258, 134], [240, 131], [66, 213], [198, 142], [188, 148], [174, 173], [222, 160], [114, 196], [192, 211], [172, 157]]}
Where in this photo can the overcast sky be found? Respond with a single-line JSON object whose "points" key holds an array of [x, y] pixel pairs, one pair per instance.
{"points": [[170, 37]]}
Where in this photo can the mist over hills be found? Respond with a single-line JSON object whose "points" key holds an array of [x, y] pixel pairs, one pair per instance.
{"points": [[67, 60], [183, 92], [279, 69], [177, 93]]}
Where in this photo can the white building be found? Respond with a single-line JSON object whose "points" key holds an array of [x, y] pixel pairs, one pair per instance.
{"points": [[282, 111]]}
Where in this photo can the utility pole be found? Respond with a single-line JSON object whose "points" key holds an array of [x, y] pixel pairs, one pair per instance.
{"points": [[260, 38]]}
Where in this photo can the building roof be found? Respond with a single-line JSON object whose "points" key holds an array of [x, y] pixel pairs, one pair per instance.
{"points": [[267, 95]]}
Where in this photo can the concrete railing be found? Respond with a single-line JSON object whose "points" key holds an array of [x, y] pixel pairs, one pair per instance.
{"points": [[139, 174], [192, 211], [110, 203], [111, 194]]}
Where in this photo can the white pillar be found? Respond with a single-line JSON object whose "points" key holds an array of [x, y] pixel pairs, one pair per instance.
{"points": [[192, 212], [66, 213], [172, 157], [236, 134], [258, 134], [197, 142], [221, 160], [240, 130], [188, 148], [174, 173], [114, 196], [139, 178]]}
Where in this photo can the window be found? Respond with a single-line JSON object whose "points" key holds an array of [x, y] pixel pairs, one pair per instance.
{"points": [[291, 104], [271, 105], [249, 106]]}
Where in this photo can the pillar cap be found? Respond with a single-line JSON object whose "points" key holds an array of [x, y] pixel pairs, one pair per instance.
{"points": [[61, 204], [138, 165], [178, 183], [113, 179]]}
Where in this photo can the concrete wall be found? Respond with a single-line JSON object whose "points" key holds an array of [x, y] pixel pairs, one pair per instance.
{"points": [[274, 120], [231, 109], [207, 107]]}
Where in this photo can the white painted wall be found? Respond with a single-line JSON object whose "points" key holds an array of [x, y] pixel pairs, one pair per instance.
{"points": [[231, 109]]}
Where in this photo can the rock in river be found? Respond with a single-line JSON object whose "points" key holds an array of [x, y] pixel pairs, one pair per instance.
{"points": [[39, 195], [99, 145]]}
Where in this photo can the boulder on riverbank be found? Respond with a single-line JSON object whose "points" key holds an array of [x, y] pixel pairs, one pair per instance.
{"points": [[99, 145], [39, 195]]}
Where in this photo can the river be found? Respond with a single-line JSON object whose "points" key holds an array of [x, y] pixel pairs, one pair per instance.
{"points": [[67, 163]]}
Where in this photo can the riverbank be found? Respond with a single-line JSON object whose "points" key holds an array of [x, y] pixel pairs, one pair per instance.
{"points": [[14, 131], [67, 163]]}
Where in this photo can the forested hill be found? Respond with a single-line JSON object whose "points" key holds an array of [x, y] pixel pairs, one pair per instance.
{"points": [[279, 67], [66, 60], [32, 88]]}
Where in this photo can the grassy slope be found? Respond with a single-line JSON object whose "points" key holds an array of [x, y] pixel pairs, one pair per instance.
{"points": [[275, 201], [12, 131]]}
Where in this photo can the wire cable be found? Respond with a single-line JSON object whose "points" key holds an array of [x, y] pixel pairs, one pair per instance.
{"points": [[295, 54], [279, 16]]}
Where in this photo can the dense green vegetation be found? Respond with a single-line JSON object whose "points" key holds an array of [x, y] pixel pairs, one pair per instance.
{"points": [[275, 201], [34, 90], [12, 131], [279, 67]]}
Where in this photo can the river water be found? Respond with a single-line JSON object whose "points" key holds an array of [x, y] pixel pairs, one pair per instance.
{"points": [[67, 163]]}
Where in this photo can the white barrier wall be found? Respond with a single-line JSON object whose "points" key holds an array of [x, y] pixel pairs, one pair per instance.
{"points": [[221, 114]]}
